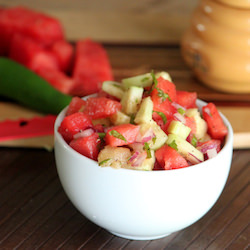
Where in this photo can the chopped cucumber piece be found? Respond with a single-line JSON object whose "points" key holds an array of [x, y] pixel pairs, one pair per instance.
{"points": [[144, 114], [178, 128], [160, 136], [131, 100], [201, 125], [119, 118], [164, 75], [113, 88], [188, 151], [143, 81]]}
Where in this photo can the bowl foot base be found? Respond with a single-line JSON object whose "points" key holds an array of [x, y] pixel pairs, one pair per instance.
{"points": [[132, 237]]}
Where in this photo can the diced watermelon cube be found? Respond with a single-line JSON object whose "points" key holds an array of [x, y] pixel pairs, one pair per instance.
{"points": [[186, 99], [58, 79], [122, 135], [87, 146], [168, 158], [38, 26], [216, 127], [91, 67], [73, 124], [162, 98], [76, 105], [63, 51], [31, 54], [101, 107]]}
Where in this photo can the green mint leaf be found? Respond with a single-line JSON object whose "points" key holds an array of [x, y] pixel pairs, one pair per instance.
{"points": [[117, 85], [154, 140], [163, 95], [117, 135], [194, 141], [154, 79], [181, 111], [173, 145], [104, 161], [132, 119], [147, 148], [144, 79], [101, 135], [162, 115]]}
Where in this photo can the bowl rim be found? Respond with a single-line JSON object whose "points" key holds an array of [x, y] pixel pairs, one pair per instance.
{"points": [[227, 143]]}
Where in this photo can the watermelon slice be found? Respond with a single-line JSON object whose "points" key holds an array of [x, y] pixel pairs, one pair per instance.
{"points": [[20, 20], [64, 53], [31, 54], [91, 68]]}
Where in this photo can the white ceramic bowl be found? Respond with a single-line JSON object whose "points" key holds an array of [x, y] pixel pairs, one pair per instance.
{"points": [[142, 205]]}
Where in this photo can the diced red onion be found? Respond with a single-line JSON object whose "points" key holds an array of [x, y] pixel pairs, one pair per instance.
{"points": [[177, 106], [193, 159], [84, 133], [147, 136], [179, 117], [206, 146], [211, 153], [135, 154], [138, 159]]}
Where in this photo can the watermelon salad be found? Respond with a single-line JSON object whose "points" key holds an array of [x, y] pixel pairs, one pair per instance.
{"points": [[143, 123], [37, 41]]}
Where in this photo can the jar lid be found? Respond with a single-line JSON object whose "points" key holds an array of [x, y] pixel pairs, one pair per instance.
{"points": [[243, 4]]}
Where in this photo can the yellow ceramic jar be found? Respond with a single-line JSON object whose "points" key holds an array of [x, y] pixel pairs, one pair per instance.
{"points": [[217, 44]]}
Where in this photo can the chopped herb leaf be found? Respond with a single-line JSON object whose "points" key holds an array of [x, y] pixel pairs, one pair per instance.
{"points": [[147, 148], [181, 111], [163, 95], [117, 135], [117, 85], [162, 115], [101, 135], [145, 79], [104, 161], [153, 140], [173, 145], [194, 141], [132, 119], [154, 79]]}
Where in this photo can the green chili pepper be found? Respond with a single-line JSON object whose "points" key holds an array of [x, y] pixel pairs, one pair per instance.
{"points": [[25, 87]]}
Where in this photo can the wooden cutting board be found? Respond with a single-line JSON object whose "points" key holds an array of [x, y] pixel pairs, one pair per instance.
{"points": [[239, 117]]}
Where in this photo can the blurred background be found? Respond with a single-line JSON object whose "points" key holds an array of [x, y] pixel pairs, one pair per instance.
{"points": [[118, 21]]}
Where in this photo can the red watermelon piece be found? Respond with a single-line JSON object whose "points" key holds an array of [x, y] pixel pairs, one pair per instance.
{"points": [[216, 127], [168, 158], [63, 51], [87, 146], [73, 124], [31, 54], [101, 107], [122, 135], [186, 99], [91, 68], [21, 20], [76, 105]]}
